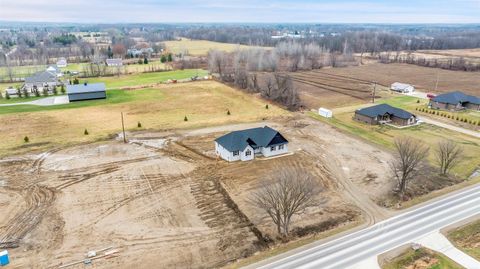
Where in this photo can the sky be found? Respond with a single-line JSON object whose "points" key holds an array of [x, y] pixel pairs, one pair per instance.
{"points": [[261, 11]]}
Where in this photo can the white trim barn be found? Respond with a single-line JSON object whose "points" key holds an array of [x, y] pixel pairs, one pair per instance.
{"points": [[244, 145], [402, 87]]}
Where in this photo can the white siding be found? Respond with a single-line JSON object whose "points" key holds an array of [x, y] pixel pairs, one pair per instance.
{"points": [[267, 152], [243, 154]]}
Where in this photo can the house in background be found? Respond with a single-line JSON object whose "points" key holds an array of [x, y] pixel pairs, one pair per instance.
{"points": [[114, 62], [402, 87], [82, 92], [62, 62], [40, 80], [383, 113], [244, 145], [455, 101]]}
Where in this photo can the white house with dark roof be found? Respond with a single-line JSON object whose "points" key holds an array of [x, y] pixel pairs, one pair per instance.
{"points": [[244, 145], [40, 80], [455, 101], [402, 87], [85, 91], [62, 62]]}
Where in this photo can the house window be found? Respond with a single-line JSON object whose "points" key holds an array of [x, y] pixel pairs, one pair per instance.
{"points": [[280, 147], [272, 148], [248, 152], [235, 153]]}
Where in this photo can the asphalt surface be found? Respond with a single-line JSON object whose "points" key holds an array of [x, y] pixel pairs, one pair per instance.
{"points": [[406, 228]]}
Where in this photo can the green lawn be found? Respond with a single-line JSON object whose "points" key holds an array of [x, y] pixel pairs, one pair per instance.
{"points": [[146, 78], [385, 135], [113, 97], [467, 238], [409, 257]]}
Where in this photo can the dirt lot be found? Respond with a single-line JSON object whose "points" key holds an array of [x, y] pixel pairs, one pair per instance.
{"points": [[163, 201], [423, 78]]}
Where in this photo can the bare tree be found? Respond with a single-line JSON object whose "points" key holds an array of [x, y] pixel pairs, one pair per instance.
{"points": [[410, 154], [217, 62], [448, 154], [286, 194]]}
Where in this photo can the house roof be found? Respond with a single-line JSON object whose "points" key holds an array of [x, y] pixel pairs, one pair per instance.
{"points": [[383, 109], [41, 77], [85, 88], [456, 97], [402, 86], [260, 137]]}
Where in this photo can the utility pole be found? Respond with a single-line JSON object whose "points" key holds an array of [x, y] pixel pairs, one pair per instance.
{"points": [[374, 91], [123, 130], [436, 82]]}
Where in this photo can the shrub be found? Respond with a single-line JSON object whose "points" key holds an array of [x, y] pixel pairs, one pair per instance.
{"points": [[418, 101], [54, 90], [228, 112], [139, 125], [185, 119], [85, 132], [37, 93], [45, 91], [448, 116], [145, 60], [140, 61], [438, 113], [7, 96], [26, 94], [457, 118], [266, 106], [75, 81], [26, 139], [62, 89], [163, 59]]}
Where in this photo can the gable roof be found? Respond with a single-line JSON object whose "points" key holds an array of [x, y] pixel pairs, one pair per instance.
{"points": [[260, 137], [82, 88], [402, 86], [41, 77], [383, 109], [456, 97]]}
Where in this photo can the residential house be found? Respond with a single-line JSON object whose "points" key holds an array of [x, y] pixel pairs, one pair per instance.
{"points": [[62, 62], [114, 62], [39, 80], [244, 145], [81, 92], [402, 87], [383, 113], [455, 101]]}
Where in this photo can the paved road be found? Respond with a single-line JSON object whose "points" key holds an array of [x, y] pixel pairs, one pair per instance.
{"points": [[356, 248], [450, 127], [47, 101]]}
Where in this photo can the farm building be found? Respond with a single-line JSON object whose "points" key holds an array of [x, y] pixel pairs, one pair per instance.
{"points": [[114, 62], [384, 113], [11, 91], [40, 80], [455, 101], [81, 92], [244, 145], [402, 87], [325, 112], [62, 62]]}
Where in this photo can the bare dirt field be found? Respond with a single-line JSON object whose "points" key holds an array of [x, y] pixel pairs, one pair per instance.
{"points": [[326, 88], [423, 78], [163, 201]]}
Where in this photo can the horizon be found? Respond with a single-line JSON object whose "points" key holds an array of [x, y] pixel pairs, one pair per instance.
{"points": [[274, 11]]}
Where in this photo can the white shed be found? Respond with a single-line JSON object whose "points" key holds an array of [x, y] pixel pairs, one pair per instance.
{"points": [[325, 112], [402, 87]]}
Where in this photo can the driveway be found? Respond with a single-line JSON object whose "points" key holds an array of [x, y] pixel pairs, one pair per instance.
{"points": [[451, 127], [47, 101]]}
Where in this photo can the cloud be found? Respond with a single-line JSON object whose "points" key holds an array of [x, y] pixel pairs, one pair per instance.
{"points": [[111, 11]]}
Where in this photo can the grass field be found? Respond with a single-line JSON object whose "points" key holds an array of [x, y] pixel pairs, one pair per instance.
{"points": [[467, 238], [429, 134], [422, 258], [164, 107], [146, 78], [199, 47]]}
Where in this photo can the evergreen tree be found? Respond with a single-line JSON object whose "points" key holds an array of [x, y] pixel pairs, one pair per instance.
{"points": [[85, 132], [75, 81], [62, 89], [170, 57], [26, 94], [7, 96], [228, 112], [145, 60], [54, 90], [139, 125], [185, 119], [163, 59], [26, 139]]}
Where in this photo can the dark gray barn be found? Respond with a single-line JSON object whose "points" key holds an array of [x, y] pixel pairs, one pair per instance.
{"points": [[86, 91]]}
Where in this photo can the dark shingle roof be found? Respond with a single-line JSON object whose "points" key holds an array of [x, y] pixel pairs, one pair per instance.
{"points": [[82, 88], [383, 109], [41, 77], [456, 97], [261, 137]]}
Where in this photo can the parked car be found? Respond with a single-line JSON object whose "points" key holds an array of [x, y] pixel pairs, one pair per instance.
{"points": [[431, 95]]}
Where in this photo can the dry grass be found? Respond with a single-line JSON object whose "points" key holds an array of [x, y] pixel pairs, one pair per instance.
{"points": [[204, 103], [200, 47]]}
